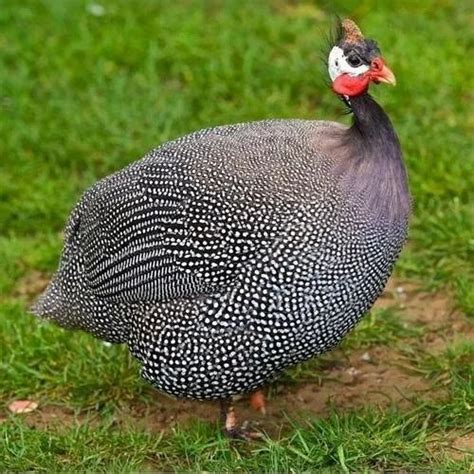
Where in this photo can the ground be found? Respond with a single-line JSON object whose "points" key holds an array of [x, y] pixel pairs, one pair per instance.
{"points": [[88, 87]]}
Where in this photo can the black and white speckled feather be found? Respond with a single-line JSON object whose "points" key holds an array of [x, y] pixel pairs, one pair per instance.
{"points": [[229, 254]]}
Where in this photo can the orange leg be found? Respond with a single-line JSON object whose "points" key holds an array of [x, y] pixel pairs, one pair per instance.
{"points": [[257, 401], [231, 428]]}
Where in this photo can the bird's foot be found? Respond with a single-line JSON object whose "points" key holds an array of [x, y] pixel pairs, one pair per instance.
{"points": [[231, 428], [243, 432]]}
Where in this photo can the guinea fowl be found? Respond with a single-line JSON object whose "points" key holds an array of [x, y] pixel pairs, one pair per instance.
{"points": [[225, 256]]}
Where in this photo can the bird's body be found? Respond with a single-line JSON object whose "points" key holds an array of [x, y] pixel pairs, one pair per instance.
{"points": [[227, 255]]}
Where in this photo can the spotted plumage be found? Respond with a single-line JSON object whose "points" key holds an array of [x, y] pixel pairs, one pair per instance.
{"points": [[227, 255]]}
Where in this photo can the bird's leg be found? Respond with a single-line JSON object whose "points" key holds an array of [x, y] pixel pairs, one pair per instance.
{"points": [[231, 428], [257, 401], [228, 417]]}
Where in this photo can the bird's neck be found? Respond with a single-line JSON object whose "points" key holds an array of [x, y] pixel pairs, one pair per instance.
{"points": [[379, 166], [373, 127]]}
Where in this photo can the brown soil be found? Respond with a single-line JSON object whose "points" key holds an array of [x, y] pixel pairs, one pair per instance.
{"points": [[373, 377], [50, 416], [463, 445]]}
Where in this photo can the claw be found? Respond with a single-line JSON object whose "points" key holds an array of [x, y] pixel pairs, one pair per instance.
{"points": [[244, 434], [231, 429]]}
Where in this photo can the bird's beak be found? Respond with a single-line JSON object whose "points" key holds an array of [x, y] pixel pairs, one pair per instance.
{"points": [[380, 72]]}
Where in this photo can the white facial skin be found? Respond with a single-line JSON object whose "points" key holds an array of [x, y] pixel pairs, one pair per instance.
{"points": [[337, 65]]}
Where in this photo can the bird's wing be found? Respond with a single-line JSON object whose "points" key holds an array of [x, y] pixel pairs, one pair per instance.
{"points": [[149, 233]]}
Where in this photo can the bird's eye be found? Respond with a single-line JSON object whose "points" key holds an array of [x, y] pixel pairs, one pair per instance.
{"points": [[354, 60]]}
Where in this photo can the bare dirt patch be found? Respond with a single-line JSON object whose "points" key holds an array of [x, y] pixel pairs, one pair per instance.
{"points": [[463, 445], [370, 377], [53, 416], [434, 309], [48, 416]]}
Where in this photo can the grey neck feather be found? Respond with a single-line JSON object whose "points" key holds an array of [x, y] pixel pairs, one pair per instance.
{"points": [[372, 164]]}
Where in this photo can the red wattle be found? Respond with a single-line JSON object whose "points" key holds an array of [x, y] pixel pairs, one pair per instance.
{"points": [[350, 85]]}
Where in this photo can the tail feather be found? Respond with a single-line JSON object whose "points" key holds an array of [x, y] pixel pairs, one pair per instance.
{"points": [[52, 304], [78, 308], [69, 301]]}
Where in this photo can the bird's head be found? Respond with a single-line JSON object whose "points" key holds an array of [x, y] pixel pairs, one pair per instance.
{"points": [[354, 62]]}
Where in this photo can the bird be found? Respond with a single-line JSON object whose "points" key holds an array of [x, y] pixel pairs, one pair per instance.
{"points": [[223, 257]]}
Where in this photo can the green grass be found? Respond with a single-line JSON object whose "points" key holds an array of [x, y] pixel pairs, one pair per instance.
{"points": [[356, 441], [83, 95]]}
